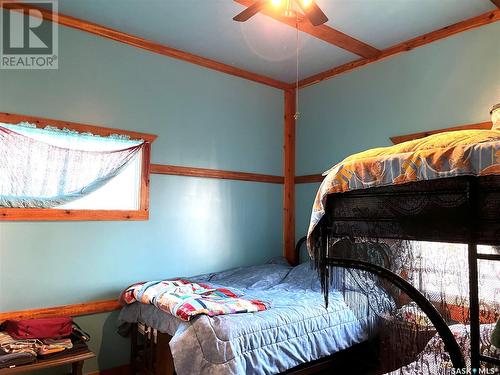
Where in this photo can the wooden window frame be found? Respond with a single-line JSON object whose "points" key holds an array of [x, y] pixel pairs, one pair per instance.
{"points": [[49, 214]]}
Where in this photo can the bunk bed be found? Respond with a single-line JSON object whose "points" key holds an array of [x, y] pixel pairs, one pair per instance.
{"points": [[373, 207]]}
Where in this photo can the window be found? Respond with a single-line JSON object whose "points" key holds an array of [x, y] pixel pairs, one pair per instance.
{"points": [[120, 193], [442, 271], [72, 172]]}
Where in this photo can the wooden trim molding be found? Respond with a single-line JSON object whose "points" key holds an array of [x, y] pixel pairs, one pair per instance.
{"points": [[79, 309], [471, 23], [145, 172], [147, 45], [409, 137], [40, 122], [214, 173], [310, 178], [51, 214], [289, 179], [330, 35], [323, 32]]}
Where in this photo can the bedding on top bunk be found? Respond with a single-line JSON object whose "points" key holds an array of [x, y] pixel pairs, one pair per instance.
{"points": [[295, 329], [450, 154]]}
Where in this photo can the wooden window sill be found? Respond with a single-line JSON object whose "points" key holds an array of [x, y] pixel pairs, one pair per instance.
{"points": [[44, 214]]}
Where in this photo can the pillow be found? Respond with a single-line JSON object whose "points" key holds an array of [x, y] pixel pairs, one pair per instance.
{"points": [[303, 276], [263, 276], [279, 260]]}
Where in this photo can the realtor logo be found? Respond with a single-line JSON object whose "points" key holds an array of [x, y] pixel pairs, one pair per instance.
{"points": [[28, 40]]}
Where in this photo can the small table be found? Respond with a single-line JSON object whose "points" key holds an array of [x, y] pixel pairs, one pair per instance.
{"points": [[76, 361]]}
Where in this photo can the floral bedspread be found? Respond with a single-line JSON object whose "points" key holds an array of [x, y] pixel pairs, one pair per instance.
{"points": [[185, 300], [450, 154]]}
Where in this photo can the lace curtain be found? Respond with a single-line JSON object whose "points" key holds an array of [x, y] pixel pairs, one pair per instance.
{"points": [[45, 168]]}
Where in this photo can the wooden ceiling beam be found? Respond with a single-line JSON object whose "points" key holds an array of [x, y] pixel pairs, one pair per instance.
{"points": [[471, 23], [497, 3], [323, 32], [148, 45]]}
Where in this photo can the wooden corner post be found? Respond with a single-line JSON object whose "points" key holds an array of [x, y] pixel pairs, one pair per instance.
{"points": [[289, 175]]}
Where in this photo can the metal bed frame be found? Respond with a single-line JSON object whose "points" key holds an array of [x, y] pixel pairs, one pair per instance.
{"points": [[473, 219]]}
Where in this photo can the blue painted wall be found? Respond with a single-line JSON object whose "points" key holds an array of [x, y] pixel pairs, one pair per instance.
{"points": [[447, 83], [203, 119]]}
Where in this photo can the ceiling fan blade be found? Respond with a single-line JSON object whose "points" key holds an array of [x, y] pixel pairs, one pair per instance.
{"points": [[314, 13], [251, 11]]}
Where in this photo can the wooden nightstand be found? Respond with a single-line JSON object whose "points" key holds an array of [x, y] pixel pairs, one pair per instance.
{"points": [[75, 360]]}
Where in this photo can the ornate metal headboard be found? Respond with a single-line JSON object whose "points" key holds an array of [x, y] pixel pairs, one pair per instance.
{"points": [[299, 246]]}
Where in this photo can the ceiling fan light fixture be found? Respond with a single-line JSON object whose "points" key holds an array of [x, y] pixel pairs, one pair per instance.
{"points": [[306, 3], [287, 8]]}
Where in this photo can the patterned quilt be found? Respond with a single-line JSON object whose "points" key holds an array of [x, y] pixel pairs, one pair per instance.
{"points": [[185, 300], [450, 154]]}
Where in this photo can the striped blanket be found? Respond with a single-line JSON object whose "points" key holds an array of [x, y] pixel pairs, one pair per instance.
{"points": [[185, 300]]}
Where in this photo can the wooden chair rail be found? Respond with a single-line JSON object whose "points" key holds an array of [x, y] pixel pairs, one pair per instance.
{"points": [[214, 173], [310, 178], [79, 309]]}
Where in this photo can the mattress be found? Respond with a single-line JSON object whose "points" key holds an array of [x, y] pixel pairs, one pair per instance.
{"points": [[296, 329], [443, 155]]}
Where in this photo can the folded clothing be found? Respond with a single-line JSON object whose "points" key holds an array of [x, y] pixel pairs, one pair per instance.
{"points": [[51, 346], [10, 345], [185, 300], [9, 360], [35, 347], [78, 345]]}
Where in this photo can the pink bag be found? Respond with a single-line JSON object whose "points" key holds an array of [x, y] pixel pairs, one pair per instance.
{"points": [[43, 328]]}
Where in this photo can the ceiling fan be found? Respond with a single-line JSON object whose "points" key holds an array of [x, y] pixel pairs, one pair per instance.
{"points": [[288, 8]]}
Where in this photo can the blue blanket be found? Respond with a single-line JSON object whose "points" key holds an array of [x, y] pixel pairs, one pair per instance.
{"points": [[296, 329]]}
